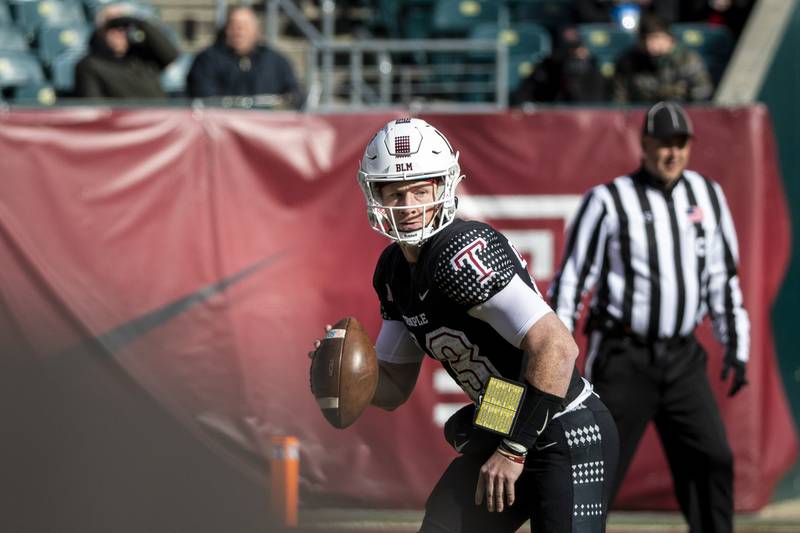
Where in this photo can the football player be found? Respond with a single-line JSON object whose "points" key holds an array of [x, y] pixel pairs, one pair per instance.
{"points": [[536, 442]]}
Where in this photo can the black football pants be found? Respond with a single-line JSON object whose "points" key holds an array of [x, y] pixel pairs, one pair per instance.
{"points": [[564, 488], [668, 384]]}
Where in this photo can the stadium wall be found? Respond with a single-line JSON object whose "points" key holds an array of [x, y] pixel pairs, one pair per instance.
{"points": [[779, 93], [201, 251]]}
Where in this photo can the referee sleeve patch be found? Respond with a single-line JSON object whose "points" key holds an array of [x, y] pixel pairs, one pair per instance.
{"points": [[512, 311], [474, 266]]}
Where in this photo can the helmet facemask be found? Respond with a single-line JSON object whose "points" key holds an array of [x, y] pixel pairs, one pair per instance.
{"points": [[416, 152], [384, 218]]}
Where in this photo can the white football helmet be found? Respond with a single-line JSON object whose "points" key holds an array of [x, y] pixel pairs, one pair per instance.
{"points": [[409, 149]]}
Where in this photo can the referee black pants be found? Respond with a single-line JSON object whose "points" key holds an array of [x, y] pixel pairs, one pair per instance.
{"points": [[667, 383]]}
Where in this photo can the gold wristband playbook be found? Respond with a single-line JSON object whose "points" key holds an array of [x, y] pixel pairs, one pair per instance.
{"points": [[518, 411], [498, 406]]}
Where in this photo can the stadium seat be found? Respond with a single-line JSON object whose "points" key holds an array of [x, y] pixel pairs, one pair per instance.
{"points": [[714, 44], [55, 40], [457, 17], [19, 69], [39, 93], [606, 42], [521, 39], [173, 79], [392, 16], [385, 17], [553, 14], [62, 71], [12, 38], [527, 43], [417, 23], [30, 15], [5, 15]]}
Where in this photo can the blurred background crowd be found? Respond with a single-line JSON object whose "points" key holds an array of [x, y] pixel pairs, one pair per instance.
{"points": [[368, 52]]}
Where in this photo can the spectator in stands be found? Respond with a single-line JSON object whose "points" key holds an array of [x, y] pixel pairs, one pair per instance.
{"points": [[600, 10], [570, 74], [731, 13], [237, 65], [659, 68], [126, 57]]}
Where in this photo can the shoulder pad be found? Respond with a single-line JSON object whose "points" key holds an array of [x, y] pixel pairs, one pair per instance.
{"points": [[474, 264]]}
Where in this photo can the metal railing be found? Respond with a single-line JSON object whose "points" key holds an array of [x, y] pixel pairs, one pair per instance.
{"points": [[389, 72], [409, 72]]}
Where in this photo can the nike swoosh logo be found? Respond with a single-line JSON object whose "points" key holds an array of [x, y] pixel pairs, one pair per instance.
{"points": [[132, 330], [540, 448], [546, 418], [460, 447], [422, 295]]}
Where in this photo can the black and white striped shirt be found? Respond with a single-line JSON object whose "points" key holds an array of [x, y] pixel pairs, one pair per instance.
{"points": [[660, 259]]}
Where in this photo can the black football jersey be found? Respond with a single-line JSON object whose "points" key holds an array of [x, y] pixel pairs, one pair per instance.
{"points": [[460, 267]]}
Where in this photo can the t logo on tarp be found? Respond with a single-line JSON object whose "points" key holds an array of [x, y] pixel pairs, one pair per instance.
{"points": [[468, 256], [403, 167]]}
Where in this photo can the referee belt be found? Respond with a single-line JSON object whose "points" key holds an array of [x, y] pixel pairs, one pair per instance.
{"points": [[612, 328]]}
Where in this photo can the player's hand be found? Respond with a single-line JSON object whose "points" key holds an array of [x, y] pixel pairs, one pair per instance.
{"points": [[313, 353], [739, 373], [317, 342], [496, 483], [111, 12]]}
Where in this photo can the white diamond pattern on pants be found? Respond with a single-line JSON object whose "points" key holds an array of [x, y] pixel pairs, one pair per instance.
{"points": [[591, 472], [583, 436], [588, 509]]}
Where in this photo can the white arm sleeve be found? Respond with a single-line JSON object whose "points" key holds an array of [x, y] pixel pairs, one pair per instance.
{"points": [[512, 311], [396, 345]]}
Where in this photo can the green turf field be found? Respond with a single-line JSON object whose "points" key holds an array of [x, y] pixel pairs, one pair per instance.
{"points": [[778, 517]]}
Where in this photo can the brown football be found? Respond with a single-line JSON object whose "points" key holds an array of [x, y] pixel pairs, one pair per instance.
{"points": [[344, 372]]}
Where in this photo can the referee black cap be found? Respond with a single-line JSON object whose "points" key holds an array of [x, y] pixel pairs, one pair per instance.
{"points": [[666, 120]]}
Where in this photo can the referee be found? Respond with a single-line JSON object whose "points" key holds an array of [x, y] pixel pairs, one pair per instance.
{"points": [[660, 249]]}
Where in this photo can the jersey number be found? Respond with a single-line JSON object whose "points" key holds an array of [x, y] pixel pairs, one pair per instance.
{"points": [[453, 349]]}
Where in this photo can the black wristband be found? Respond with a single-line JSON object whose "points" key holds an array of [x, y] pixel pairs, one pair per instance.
{"points": [[537, 410], [508, 449]]}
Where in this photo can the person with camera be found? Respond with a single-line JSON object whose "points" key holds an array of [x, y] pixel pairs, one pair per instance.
{"points": [[126, 57]]}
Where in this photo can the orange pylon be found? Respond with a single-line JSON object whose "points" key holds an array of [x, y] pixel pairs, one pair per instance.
{"points": [[285, 468]]}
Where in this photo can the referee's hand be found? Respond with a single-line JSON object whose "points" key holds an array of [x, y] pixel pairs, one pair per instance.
{"points": [[739, 373]]}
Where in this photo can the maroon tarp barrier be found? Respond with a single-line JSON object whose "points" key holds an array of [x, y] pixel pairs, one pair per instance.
{"points": [[204, 250]]}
